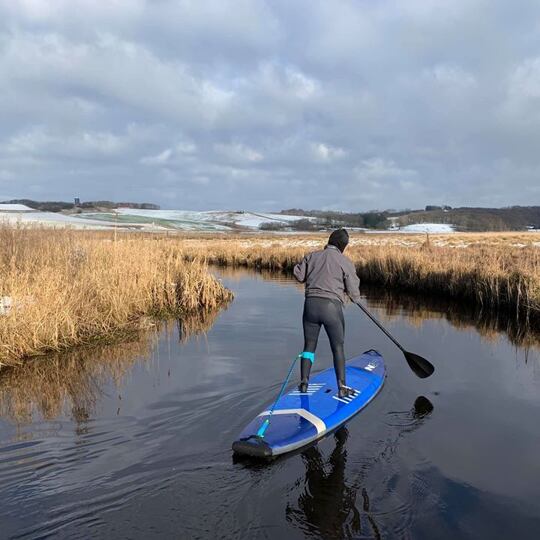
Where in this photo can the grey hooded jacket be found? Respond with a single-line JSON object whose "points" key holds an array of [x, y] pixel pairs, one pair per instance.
{"points": [[328, 274]]}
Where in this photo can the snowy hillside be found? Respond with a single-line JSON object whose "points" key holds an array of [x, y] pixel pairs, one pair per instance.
{"points": [[150, 220], [182, 220], [185, 220]]}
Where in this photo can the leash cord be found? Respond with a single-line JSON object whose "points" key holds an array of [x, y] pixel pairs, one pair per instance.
{"points": [[266, 423]]}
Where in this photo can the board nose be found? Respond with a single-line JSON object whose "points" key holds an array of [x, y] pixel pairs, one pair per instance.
{"points": [[253, 446]]}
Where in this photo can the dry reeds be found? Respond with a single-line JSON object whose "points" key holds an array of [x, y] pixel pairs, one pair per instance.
{"points": [[491, 274], [68, 288]]}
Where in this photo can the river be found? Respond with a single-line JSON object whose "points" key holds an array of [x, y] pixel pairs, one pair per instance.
{"points": [[133, 440]]}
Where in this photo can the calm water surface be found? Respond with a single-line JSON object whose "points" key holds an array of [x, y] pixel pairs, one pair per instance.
{"points": [[133, 441]]}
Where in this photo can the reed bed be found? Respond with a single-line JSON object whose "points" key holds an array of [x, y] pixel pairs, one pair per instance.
{"points": [[491, 274], [68, 288]]}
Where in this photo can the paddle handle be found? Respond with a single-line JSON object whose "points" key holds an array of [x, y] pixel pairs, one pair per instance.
{"points": [[380, 326]]}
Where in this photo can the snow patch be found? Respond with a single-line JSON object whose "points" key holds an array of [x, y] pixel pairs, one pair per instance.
{"points": [[14, 208], [434, 228]]}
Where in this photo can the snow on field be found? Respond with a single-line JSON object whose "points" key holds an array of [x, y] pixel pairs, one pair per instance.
{"points": [[49, 219], [4, 207], [176, 219], [214, 219], [433, 228]]}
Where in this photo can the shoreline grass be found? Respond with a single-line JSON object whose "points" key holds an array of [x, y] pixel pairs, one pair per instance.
{"points": [[488, 273], [68, 288]]}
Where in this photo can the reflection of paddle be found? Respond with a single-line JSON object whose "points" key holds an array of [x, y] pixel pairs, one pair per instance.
{"points": [[422, 407], [421, 367]]}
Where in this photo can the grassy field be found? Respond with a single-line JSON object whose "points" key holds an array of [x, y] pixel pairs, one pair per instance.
{"points": [[68, 288], [495, 271]]}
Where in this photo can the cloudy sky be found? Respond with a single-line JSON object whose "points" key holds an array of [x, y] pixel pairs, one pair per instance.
{"points": [[251, 104]]}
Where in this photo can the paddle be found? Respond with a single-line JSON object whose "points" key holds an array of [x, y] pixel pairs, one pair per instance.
{"points": [[420, 366]]}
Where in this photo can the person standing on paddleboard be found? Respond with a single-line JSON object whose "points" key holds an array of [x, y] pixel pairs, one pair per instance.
{"points": [[328, 276]]}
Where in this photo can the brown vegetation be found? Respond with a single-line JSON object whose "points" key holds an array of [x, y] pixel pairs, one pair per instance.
{"points": [[494, 272], [69, 288]]}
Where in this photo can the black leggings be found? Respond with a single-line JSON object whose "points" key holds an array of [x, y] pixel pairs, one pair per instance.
{"points": [[329, 313]]}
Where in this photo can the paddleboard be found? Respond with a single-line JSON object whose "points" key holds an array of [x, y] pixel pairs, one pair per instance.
{"points": [[301, 418]]}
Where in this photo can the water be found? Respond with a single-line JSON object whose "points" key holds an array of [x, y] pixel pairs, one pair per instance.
{"points": [[133, 441]]}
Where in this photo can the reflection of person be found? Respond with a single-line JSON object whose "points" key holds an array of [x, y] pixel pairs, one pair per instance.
{"points": [[328, 276], [327, 502], [328, 506]]}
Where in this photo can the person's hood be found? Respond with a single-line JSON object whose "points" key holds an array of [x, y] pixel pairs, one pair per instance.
{"points": [[339, 238]]}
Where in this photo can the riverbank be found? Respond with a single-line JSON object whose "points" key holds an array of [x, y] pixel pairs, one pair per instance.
{"points": [[65, 288], [499, 272]]}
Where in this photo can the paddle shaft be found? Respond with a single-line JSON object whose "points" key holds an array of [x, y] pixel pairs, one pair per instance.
{"points": [[380, 326]]}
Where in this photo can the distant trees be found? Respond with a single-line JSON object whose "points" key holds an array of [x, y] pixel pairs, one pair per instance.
{"points": [[296, 225], [430, 207], [464, 218], [46, 206], [479, 219], [329, 219], [58, 206]]}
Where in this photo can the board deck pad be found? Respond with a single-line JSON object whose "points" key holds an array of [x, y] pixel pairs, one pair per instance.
{"points": [[301, 418]]}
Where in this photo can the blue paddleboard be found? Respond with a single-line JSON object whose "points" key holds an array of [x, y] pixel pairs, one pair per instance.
{"points": [[301, 418]]}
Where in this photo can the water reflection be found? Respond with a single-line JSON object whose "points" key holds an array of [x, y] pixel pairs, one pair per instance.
{"points": [[335, 505], [197, 324], [70, 384], [489, 323], [66, 383]]}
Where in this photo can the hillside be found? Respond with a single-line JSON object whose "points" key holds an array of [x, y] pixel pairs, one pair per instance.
{"points": [[513, 218], [463, 219]]}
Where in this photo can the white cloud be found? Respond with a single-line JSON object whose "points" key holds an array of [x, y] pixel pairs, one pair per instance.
{"points": [[6, 175], [452, 77], [159, 159], [525, 80], [116, 69], [238, 152], [40, 141], [186, 148], [325, 152], [379, 168], [171, 156]]}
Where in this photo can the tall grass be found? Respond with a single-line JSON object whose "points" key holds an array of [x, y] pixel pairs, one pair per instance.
{"points": [[68, 288], [498, 276]]}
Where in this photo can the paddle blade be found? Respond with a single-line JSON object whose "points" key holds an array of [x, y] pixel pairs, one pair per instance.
{"points": [[421, 367]]}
